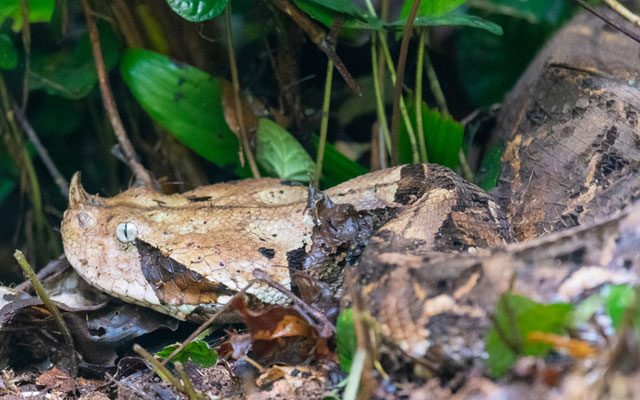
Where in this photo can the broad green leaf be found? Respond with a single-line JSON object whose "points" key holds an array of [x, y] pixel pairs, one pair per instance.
{"points": [[516, 317], [489, 171], [443, 137], [184, 100], [617, 299], [342, 6], [280, 154], [197, 351], [39, 11], [346, 339], [456, 19], [336, 167], [534, 11], [197, 10], [586, 309], [8, 53], [489, 65], [430, 8], [72, 74], [356, 18]]}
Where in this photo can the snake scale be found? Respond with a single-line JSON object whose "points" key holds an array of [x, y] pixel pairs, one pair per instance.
{"points": [[431, 251]]}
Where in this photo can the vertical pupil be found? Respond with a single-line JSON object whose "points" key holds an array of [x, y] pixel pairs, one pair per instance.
{"points": [[125, 231]]}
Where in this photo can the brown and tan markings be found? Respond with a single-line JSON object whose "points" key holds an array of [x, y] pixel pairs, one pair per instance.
{"points": [[431, 251]]}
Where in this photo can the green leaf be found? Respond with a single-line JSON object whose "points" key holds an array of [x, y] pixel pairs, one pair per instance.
{"points": [[336, 167], [516, 317], [534, 11], [456, 20], [197, 351], [489, 171], [443, 137], [617, 299], [586, 309], [489, 65], [39, 11], [356, 18], [184, 100], [72, 74], [197, 10], [342, 6], [430, 8], [8, 53], [280, 154], [346, 339]]}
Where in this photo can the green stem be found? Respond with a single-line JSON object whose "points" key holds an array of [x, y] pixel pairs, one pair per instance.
{"points": [[42, 293], [24, 159], [324, 122], [418, 95], [397, 90], [382, 117], [244, 140], [403, 105], [436, 89]]}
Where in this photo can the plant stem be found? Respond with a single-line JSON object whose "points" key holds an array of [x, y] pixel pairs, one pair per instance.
{"points": [[62, 183], [317, 36], [324, 122], [382, 117], [403, 106], [26, 42], [436, 89], [160, 369], [402, 60], [23, 158], [244, 140], [612, 22], [42, 293], [143, 177], [624, 11], [418, 96]]}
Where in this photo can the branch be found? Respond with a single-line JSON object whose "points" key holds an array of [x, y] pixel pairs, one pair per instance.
{"points": [[62, 183], [318, 37], [402, 60], [609, 20], [142, 176]]}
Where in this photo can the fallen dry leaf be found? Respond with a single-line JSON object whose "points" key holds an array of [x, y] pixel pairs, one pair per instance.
{"points": [[575, 348]]}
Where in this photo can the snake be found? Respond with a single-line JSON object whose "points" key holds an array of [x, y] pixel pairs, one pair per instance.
{"points": [[431, 252]]}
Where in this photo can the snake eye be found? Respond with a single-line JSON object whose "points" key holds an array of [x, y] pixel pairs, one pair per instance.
{"points": [[126, 232]]}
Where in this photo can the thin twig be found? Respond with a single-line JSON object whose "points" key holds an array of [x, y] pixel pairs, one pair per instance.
{"points": [[42, 293], [23, 158], [188, 385], [624, 11], [317, 36], [162, 370], [242, 131], [324, 122], [130, 157], [62, 183], [403, 107], [609, 20], [397, 91], [208, 322], [418, 96], [301, 305], [26, 41]]}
